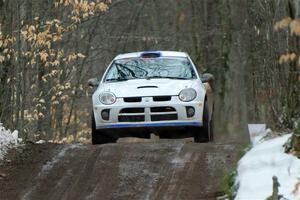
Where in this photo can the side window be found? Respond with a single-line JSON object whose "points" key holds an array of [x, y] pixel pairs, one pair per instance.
{"points": [[197, 68], [194, 63]]}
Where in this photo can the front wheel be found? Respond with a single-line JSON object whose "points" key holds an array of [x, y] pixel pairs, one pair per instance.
{"points": [[205, 133], [99, 137]]}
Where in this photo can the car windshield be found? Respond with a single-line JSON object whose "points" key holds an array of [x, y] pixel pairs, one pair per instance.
{"points": [[150, 68]]}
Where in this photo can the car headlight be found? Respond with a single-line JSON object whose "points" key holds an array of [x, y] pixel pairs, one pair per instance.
{"points": [[107, 98], [187, 95]]}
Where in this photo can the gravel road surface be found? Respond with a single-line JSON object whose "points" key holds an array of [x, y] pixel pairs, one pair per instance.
{"points": [[164, 169]]}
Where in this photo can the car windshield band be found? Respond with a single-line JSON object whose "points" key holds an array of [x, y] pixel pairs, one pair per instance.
{"points": [[134, 69]]}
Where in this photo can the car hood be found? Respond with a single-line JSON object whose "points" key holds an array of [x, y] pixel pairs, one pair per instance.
{"points": [[152, 87]]}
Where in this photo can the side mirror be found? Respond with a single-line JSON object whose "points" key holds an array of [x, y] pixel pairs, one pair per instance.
{"points": [[206, 77], [93, 82]]}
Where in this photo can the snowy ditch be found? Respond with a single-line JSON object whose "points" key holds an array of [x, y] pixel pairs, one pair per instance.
{"points": [[8, 140], [264, 161]]}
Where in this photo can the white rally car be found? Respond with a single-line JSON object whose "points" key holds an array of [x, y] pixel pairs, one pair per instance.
{"points": [[151, 92]]}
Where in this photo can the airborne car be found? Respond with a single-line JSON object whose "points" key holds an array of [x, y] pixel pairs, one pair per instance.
{"points": [[145, 92]]}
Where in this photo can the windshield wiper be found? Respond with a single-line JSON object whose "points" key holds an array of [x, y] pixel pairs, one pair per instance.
{"points": [[116, 79], [168, 77], [125, 67]]}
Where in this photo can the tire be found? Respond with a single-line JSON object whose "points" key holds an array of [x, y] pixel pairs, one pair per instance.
{"points": [[204, 134], [99, 137]]}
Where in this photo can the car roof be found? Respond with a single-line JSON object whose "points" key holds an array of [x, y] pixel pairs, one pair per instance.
{"points": [[162, 54]]}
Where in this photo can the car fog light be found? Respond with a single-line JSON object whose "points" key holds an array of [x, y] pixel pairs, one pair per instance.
{"points": [[190, 111], [105, 114]]}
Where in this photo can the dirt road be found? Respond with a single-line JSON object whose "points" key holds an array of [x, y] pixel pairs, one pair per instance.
{"points": [[167, 169]]}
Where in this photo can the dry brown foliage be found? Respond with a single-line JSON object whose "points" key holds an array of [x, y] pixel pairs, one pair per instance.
{"points": [[284, 23]]}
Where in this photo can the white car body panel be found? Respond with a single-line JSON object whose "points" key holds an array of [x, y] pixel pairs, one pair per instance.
{"points": [[147, 89], [164, 87], [163, 54]]}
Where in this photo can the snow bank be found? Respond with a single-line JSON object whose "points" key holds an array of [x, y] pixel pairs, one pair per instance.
{"points": [[7, 140], [257, 132], [265, 160]]}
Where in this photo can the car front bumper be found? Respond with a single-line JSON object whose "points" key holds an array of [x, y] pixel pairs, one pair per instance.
{"points": [[148, 113]]}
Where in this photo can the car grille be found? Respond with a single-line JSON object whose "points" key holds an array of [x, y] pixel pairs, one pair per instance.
{"points": [[132, 110], [164, 117], [162, 98], [162, 109], [139, 99], [132, 115], [133, 118], [132, 99], [162, 113]]}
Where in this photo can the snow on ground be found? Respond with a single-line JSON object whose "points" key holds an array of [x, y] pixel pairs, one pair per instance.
{"points": [[265, 160], [257, 132], [7, 140], [40, 142]]}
